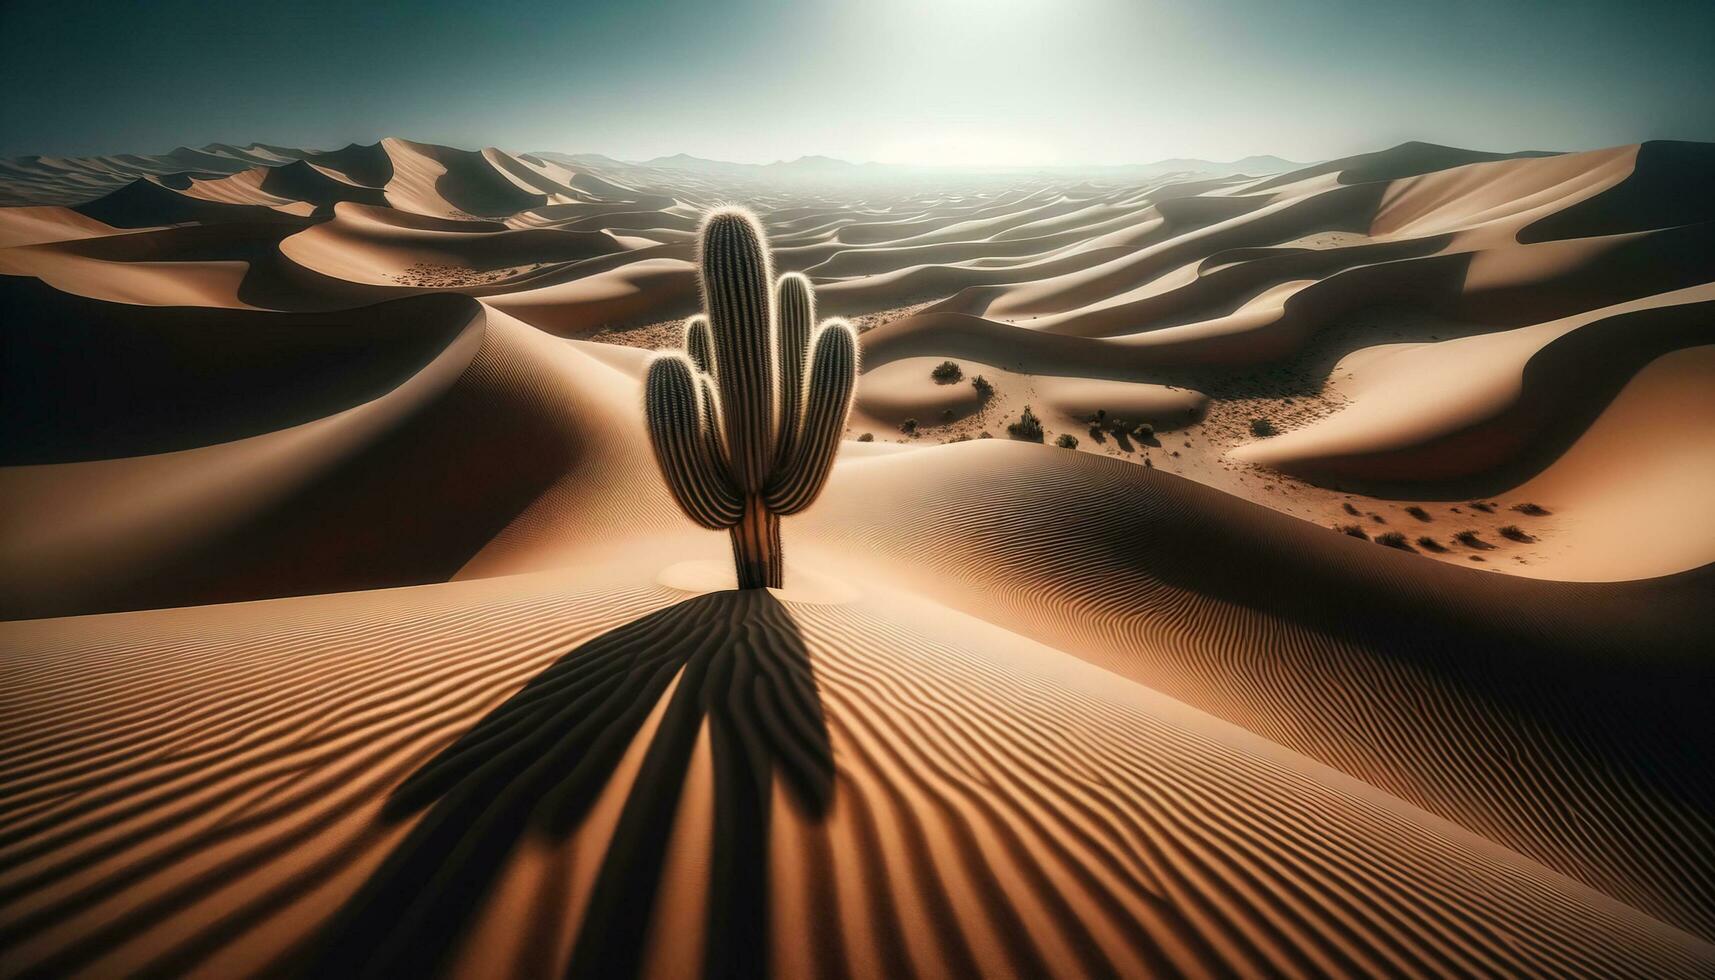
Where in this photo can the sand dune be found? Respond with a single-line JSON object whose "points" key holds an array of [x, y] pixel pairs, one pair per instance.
{"points": [[350, 626], [948, 797]]}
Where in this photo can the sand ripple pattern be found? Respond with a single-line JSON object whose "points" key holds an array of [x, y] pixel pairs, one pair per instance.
{"points": [[211, 785]]}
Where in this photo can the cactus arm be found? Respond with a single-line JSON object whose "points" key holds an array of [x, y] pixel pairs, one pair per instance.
{"points": [[714, 432], [827, 400], [736, 280], [681, 437], [698, 346], [795, 311]]}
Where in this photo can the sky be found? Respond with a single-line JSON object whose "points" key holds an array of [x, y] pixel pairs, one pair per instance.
{"points": [[938, 82]]}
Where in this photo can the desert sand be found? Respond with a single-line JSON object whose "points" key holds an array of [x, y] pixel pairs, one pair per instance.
{"points": [[350, 627]]}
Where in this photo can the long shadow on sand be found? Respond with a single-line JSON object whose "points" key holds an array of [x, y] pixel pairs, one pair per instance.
{"points": [[538, 763]]}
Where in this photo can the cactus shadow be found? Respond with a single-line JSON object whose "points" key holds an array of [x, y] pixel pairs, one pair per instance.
{"points": [[538, 763]]}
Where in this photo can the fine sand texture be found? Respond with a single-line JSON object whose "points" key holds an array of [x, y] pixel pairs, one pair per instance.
{"points": [[349, 628]]}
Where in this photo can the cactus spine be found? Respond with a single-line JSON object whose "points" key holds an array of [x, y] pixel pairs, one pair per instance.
{"points": [[746, 423]]}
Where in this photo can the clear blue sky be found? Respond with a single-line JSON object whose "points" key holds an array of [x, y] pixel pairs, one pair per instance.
{"points": [[926, 81]]}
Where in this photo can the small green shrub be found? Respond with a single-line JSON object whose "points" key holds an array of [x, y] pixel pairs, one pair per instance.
{"points": [[1512, 532], [909, 427], [1067, 441], [1430, 544], [1393, 539], [984, 389], [1262, 428], [1419, 513], [1028, 427], [1353, 530], [946, 373], [867, 437], [1143, 432], [1532, 510]]}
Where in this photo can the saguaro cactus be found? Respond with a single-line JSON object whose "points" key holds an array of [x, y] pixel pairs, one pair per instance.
{"points": [[746, 422]]}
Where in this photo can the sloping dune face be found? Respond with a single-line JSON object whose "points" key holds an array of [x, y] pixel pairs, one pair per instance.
{"points": [[884, 787], [351, 629]]}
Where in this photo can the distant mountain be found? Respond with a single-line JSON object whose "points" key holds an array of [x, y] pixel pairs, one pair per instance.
{"points": [[824, 166], [812, 164]]}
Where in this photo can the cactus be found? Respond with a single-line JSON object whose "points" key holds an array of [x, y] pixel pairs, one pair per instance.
{"points": [[746, 422]]}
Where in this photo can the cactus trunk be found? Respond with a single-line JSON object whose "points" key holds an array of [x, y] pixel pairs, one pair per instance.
{"points": [[756, 546]]}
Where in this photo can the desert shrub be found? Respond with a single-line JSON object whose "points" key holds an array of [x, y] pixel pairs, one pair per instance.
{"points": [[961, 437], [1067, 441], [1418, 512], [1379, 519], [867, 437], [1393, 539], [1028, 427], [1470, 540], [946, 373], [1262, 428], [909, 427], [986, 434], [984, 389], [1533, 510], [947, 415], [1143, 431], [1512, 532], [1348, 508], [1353, 530], [1485, 508], [1430, 544]]}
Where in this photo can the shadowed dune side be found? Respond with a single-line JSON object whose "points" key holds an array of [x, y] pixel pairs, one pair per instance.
{"points": [[1633, 486], [48, 223], [441, 180], [87, 380], [1590, 693], [364, 164], [630, 291], [284, 186], [1668, 186], [391, 492], [1462, 437], [663, 798], [1202, 227], [385, 247], [1408, 159], [143, 203], [233, 265]]}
